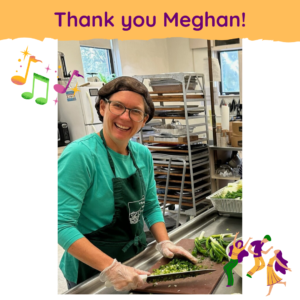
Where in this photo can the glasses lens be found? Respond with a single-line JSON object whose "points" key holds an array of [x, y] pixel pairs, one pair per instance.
{"points": [[116, 108], [136, 115]]}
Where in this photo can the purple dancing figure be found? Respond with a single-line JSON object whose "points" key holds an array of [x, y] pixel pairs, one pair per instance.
{"points": [[280, 265], [237, 253]]}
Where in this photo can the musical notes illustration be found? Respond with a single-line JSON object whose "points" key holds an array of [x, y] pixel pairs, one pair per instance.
{"points": [[19, 80], [60, 88], [40, 100]]}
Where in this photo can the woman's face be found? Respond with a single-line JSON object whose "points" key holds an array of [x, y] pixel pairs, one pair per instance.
{"points": [[122, 128], [239, 244]]}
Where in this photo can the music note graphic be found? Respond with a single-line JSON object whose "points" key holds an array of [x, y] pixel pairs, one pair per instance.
{"points": [[40, 100], [60, 88], [19, 80]]}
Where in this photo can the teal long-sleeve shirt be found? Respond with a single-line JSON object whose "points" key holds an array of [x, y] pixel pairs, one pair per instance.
{"points": [[85, 191]]}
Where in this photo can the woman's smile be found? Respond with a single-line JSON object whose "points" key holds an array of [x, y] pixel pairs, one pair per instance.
{"points": [[119, 126]]}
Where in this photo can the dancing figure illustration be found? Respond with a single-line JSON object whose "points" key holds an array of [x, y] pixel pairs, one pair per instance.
{"points": [[280, 265], [237, 253], [259, 261]]}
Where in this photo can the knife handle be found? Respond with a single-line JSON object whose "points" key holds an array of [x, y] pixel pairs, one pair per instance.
{"points": [[108, 283]]}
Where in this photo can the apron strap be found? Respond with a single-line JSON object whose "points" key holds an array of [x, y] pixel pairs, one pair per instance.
{"points": [[136, 241], [111, 162], [132, 157]]}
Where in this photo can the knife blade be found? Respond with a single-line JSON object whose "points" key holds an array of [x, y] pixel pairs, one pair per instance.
{"points": [[175, 276], [170, 276]]}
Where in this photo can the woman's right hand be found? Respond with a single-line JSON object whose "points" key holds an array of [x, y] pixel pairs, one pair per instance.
{"points": [[123, 278]]}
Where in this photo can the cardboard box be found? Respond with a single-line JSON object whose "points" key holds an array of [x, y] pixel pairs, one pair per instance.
{"points": [[236, 141], [237, 128]]}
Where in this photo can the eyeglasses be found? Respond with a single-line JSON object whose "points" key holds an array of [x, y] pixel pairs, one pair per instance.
{"points": [[118, 109]]}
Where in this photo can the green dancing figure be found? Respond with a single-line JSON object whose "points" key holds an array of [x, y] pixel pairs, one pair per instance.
{"points": [[237, 253]]}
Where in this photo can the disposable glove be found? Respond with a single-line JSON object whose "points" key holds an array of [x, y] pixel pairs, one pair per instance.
{"points": [[123, 278], [168, 249]]}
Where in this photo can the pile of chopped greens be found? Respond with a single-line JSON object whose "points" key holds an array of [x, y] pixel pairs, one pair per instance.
{"points": [[234, 195], [232, 191], [175, 266]]}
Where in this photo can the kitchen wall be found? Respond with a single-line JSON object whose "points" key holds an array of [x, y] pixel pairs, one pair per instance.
{"points": [[144, 57]]}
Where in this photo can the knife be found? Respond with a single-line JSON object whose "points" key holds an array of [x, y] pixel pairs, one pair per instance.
{"points": [[170, 276]]}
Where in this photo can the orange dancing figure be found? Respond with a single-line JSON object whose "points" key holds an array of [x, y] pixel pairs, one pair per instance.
{"points": [[259, 261], [280, 265]]}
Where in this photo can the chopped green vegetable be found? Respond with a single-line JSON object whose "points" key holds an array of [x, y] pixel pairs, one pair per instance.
{"points": [[194, 252], [201, 235], [232, 191], [175, 266], [233, 195], [213, 246]]}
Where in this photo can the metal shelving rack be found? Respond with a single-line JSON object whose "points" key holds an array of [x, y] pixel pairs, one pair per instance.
{"points": [[198, 202], [214, 177]]}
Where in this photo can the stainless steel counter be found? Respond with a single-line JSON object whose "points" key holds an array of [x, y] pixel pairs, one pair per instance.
{"points": [[208, 221]]}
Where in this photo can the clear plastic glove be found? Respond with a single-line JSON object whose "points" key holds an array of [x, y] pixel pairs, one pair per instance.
{"points": [[123, 278], [168, 249]]}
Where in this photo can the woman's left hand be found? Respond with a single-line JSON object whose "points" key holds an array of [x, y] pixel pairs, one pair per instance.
{"points": [[168, 249]]}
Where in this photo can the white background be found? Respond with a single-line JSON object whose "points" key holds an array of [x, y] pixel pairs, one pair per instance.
{"points": [[271, 113]]}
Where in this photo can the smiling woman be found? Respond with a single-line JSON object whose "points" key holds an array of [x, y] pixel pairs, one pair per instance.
{"points": [[106, 190], [124, 106]]}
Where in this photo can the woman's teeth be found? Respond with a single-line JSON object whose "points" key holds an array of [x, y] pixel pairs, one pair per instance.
{"points": [[122, 127]]}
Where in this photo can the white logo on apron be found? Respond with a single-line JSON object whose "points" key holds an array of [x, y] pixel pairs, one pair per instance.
{"points": [[135, 209]]}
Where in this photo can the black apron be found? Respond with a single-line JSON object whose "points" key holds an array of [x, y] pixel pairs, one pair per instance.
{"points": [[124, 237]]}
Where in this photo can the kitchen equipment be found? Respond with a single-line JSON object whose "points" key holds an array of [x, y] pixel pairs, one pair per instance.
{"points": [[233, 106], [235, 161], [172, 170], [236, 171], [225, 117], [170, 84], [172, 129], [171, 276], [194, 285], [63, 134], [218, 134], [209, 221], [223, 140], [175, 276], [178, 113], [186, 193], [193, 147], [224, 171], [62, 72], [94, 79], [226, 205], [172, 139], [159, 146], [175, 123], [239, 268], [78, 110]]}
